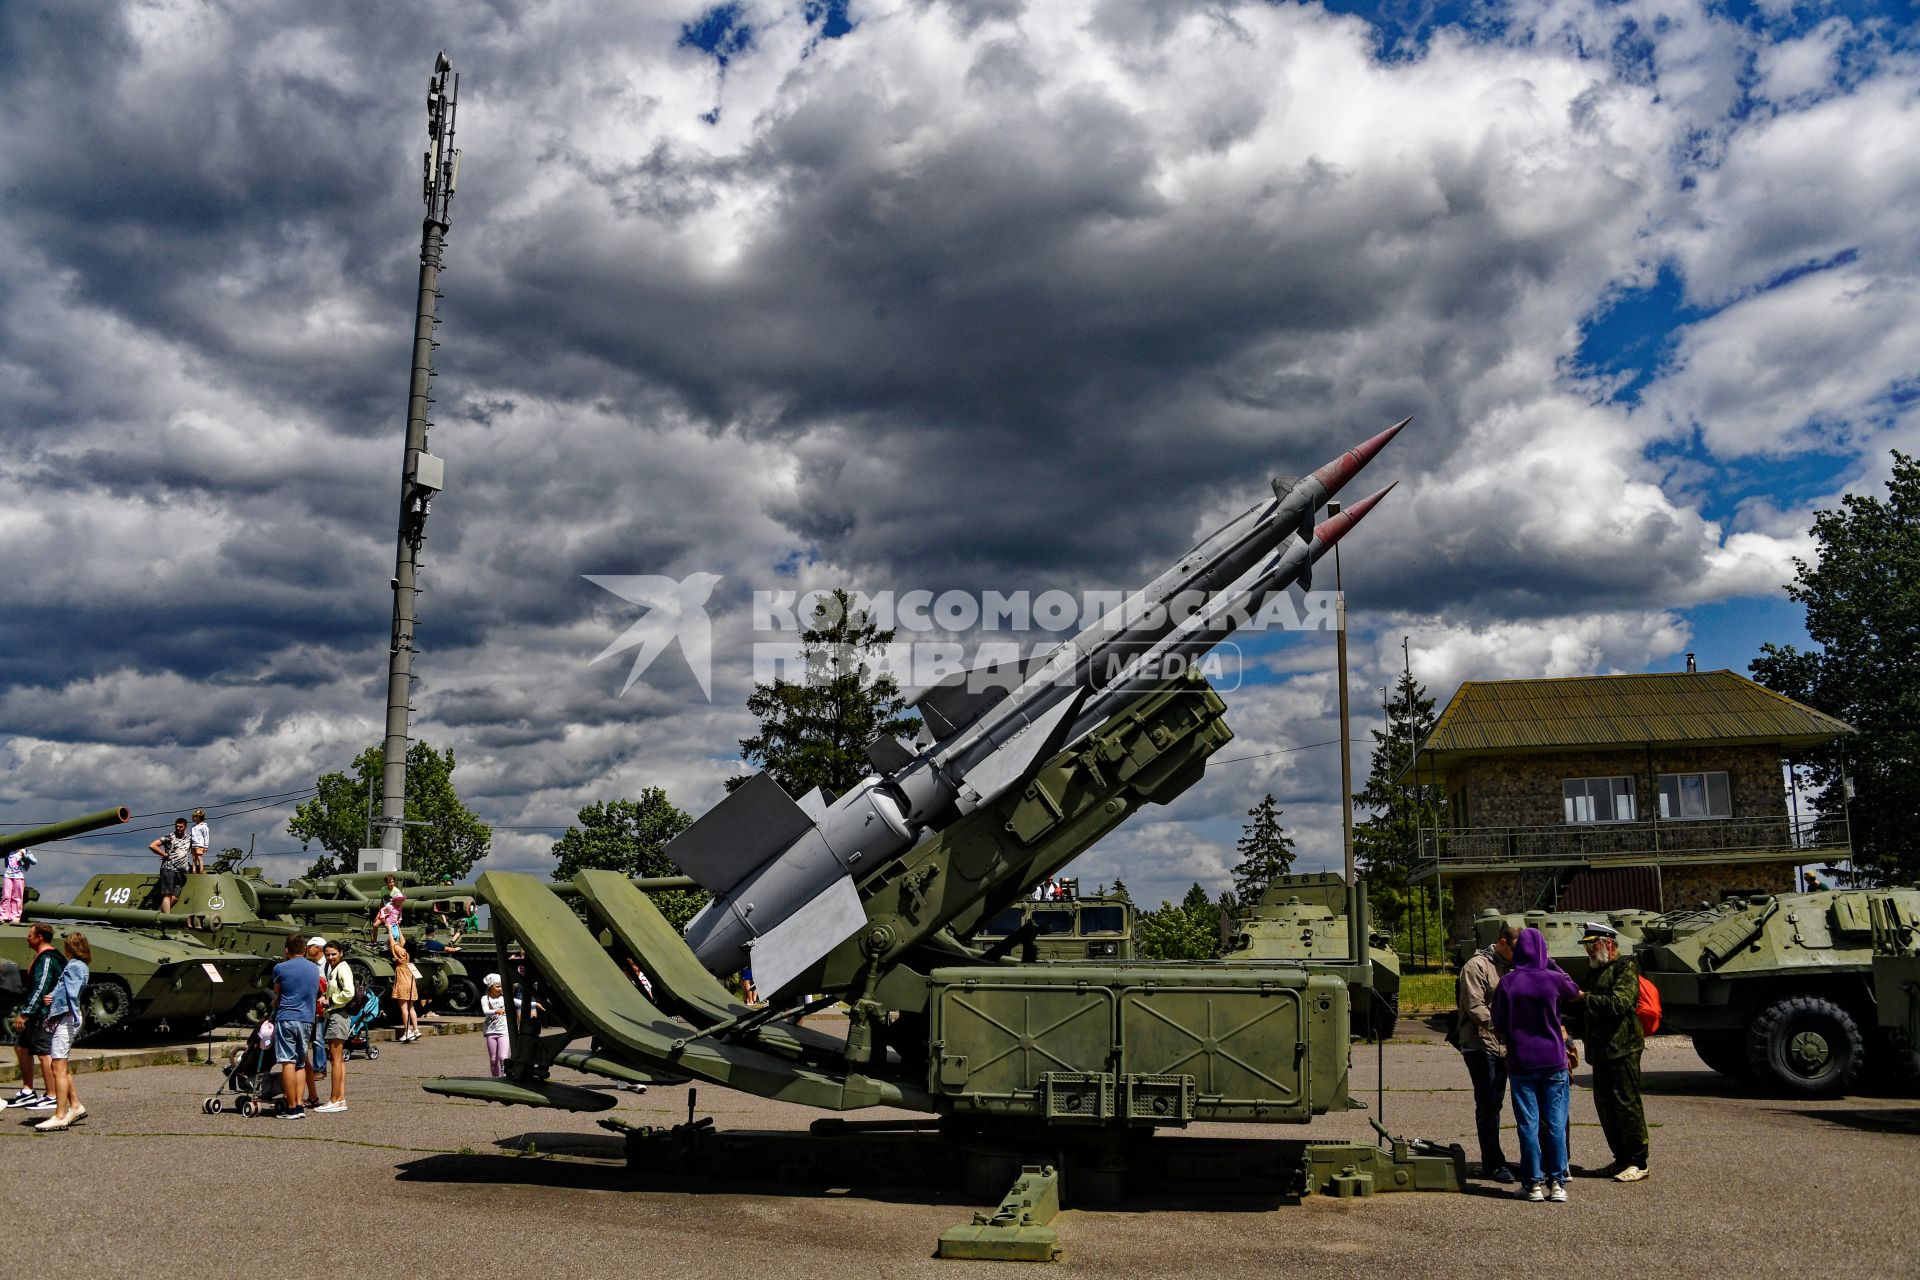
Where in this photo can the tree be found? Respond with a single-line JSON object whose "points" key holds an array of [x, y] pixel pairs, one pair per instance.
{"points": [[1190, 931], [445, 847], [1863, 611], [1266, 851], [814, 732], [1386, 843], [629, 836]]}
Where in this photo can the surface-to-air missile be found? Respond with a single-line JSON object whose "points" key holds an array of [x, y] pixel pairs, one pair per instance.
{"points": [[1782, 989], [240, 913], [784, 872], [1304, 919], [139, 975]]}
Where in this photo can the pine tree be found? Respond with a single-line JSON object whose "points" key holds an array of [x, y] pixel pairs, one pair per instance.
{"points": [[1189, 931], [1266, 851], [814, 732], [1386, 842]]}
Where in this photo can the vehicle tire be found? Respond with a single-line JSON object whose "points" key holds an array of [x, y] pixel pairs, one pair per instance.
{"points": [[1893, 1063], [108, 1002], [1725, 1052], [462, 997], [1806, 1046], [1383, 1015]]}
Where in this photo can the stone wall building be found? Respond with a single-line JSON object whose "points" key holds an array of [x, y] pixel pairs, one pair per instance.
{"points": [[1655, 791]]}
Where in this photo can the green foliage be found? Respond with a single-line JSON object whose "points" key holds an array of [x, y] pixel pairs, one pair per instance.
{"points": [[1386, 842], [1419, 928], [445, 848], [1862, 598], [1190, 931], [1266, 851], [814, 732], [628, 836]]}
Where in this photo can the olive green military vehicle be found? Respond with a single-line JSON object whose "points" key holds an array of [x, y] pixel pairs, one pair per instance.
{"points": [[1098, 926], [1896, 970], [359, 895], [1781, 990], [1304, 919], [241, 913], [1563, 931], [139, 975]]}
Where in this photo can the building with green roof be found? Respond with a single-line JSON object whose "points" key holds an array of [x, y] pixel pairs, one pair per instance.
{"points": [[1655, 791]]}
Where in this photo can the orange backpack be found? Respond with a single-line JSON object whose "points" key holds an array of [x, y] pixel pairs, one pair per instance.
{"points": [[1647, 1009]]}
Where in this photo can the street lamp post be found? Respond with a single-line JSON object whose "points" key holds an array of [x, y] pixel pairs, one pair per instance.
{"points": [[1346, 744]]}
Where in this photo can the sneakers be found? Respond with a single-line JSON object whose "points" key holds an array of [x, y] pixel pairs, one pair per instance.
{"points": [[1633, 1173], [298, 1113], [44, 1102], [331, 1107], [1559, 1193], [1501, 1174], [78, 1116], [53, 1124], [408, 1037], [24, 1098], [1535, 1193]]}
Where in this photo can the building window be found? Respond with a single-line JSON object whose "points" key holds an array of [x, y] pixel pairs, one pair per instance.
{"points": [[1695, 795], [1599, 800]]}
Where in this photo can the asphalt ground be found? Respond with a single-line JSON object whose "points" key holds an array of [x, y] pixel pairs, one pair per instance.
{"points": [[404, 1181]]}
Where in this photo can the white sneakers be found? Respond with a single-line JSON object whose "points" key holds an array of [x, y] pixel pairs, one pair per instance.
{"points": [[331, 1106], [1633, 1173], [1535, 1193], [1559, 1193], [1539, 1191]]}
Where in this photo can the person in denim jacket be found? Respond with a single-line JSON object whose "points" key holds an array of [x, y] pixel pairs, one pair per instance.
{"points": [[65, 1007]]}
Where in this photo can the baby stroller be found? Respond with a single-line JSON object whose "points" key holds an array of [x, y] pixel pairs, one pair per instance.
{"points": [[251, 1074], [360, 1021]]}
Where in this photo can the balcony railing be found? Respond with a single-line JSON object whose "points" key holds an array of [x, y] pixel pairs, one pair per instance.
{"points": [[1599, 841]]}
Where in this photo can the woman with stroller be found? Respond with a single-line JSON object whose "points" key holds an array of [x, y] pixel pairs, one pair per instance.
{"points": [[63, 1020], [339, 995]]}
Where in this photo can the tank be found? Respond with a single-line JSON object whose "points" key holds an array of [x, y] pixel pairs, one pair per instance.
{"points": [[1563, 931], [1782, 990], [1097, 926], [142, 977], [61, 830], [1303, 919], [244, 913], [356, 896]]}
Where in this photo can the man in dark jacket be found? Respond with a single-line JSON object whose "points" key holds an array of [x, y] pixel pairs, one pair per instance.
{"points": [[1610, 1014], [33, 1039]]}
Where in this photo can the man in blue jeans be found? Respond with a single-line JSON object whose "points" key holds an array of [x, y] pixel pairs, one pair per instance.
{"points": [[1527, 1012], [296, 1004]]}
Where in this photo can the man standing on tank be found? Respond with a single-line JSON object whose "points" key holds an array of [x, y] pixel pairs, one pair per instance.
{"points": [[176, 858], [1480, 1047], [1610, 1014]]}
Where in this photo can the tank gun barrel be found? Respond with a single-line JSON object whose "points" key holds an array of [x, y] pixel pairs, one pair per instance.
{"points": [[61, 830], [136, 917]]}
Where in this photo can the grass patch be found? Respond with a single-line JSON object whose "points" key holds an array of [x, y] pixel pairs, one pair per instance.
{"points": [[1426, 988]]}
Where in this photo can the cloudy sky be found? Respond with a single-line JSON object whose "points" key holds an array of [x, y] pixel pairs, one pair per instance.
{"points": [[967, 296]]}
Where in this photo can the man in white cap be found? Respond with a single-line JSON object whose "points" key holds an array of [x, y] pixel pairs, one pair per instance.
{"points": [[1609, 1014]]}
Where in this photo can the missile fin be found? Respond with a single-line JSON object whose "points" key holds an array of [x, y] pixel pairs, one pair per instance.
{"points": [[952, 704], [887, 753], [787, 950], [814, 804], [742, 832], [1306, 576], [1017, 755]]}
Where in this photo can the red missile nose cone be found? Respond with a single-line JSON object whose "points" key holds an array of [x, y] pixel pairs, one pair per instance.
{"points": [[1332, 529], [1347, 465]]}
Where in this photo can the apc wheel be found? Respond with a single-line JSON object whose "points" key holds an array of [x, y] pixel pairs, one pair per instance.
{"points": [[108, 1004], [1806, 1046], [462, 997], [1725, 1052], [1383, 1015]]}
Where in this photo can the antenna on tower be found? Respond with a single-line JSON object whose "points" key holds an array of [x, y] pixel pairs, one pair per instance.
{"points": [[422, 475]]}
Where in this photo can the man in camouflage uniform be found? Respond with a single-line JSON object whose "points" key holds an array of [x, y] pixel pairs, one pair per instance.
{"points": [[1608, 1009]]}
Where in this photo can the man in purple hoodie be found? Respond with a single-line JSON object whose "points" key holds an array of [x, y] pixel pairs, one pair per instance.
{"points": [[1527, 1014]]}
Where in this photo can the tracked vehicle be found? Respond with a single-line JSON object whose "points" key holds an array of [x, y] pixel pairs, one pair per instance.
{"points": [[1309, 919]]}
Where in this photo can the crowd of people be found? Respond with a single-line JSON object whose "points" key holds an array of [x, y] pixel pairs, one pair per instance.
{"points": [[1518, 1016]]}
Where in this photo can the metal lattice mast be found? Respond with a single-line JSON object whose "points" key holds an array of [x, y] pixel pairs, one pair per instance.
{"points": [[421, 473]]}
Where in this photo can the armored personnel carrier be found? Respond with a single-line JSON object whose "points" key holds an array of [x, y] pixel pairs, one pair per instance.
{"points": [[1896, 970], [1305, 919], [1098, 926], [1563, 930], [1783, 989], [240, 913], [358, 895]]}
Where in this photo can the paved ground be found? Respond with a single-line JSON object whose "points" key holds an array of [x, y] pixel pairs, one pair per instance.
{"points": [[1744, 1185]]}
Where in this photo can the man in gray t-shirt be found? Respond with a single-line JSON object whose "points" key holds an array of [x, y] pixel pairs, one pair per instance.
{"points": [[176, 855]]}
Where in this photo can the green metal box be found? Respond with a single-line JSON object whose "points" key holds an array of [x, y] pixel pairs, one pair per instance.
{"points": [[1141, 1044]]}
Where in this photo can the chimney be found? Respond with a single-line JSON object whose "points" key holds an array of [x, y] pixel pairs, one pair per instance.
{"points": [[1691, 668]]}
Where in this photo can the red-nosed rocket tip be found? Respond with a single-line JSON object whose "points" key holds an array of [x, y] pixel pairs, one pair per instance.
{"points": [[1347, 465], [1332, 529]]}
